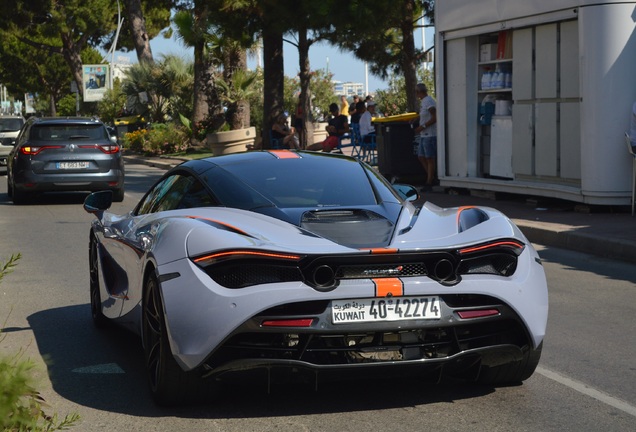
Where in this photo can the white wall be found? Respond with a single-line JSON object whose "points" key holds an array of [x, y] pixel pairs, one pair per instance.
{"points": [[607, 36]]}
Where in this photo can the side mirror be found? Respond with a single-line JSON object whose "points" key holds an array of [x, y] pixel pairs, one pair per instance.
{"points": [[406, 192], [98, 202]]}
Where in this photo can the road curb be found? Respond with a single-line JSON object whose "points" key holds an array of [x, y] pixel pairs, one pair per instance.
{"points": [[592, 244]]}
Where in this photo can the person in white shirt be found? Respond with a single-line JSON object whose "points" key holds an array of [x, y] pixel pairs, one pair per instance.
{"points": [[427, 130], [367, 130]]}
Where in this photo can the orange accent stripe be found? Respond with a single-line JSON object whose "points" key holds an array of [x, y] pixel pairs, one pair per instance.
{"points": [[285, 154], [491, 245], [388, 286], [220, 223], [380, 251], [246, 253]]}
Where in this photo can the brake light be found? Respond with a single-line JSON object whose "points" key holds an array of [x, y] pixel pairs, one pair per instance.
{"points": [[208, 259], [513, 245], [477, 313], [496, 258], [33, 150], [299, 322], [108, 149]]}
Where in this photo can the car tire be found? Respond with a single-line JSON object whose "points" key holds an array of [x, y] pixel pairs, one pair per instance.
{"points": [[169, 383], [118, 195], [513, 372], [19, 197], [99, 319], [9, 188]]}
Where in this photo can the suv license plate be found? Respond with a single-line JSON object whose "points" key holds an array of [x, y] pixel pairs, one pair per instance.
{"points": [[71, 165], [385, 309]]}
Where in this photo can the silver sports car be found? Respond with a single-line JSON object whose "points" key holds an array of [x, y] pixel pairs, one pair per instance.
{"points": [[303, 261]]}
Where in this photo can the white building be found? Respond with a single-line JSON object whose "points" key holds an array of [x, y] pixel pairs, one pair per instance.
{"points": [[558, 129], [348, 88]]}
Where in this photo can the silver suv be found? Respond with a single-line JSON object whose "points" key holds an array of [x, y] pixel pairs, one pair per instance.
{"points": [[64, 154], [9, 128]]}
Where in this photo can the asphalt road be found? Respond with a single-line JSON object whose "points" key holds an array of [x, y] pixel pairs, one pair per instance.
{"points": [[585, 381]]}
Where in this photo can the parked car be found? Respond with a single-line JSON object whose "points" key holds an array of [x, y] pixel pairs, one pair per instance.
{"points": [[64, 154], [9, 128], [307, 261]]}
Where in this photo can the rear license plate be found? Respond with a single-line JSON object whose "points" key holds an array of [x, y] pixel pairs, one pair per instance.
{"points": [[72, 165], [385, 309]]}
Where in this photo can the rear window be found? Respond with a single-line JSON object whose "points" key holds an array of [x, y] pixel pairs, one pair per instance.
{"points": [[10, 124], [305, 182], [68, 132]]}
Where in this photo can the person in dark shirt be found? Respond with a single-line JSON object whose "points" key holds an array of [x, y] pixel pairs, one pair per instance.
{"points": [[337, 126]]}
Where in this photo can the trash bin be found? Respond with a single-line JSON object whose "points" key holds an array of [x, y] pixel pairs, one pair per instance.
{"points": [[128, 124], [397, 157]]}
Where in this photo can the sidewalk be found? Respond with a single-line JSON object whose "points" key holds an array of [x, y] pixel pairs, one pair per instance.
{"points": [[604, 231]]}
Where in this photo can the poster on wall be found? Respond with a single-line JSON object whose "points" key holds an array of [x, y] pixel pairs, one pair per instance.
{"points": [[95, 79]]}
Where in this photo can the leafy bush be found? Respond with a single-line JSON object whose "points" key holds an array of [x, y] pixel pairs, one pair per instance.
{"points": [[21, 406], [135, 141], [166, 138], [158, 139]]}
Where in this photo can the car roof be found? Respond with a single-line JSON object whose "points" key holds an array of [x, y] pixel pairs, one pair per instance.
{"points": [[65, 120], [267, 155]]}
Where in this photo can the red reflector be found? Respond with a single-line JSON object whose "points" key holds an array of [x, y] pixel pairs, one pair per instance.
{"points": [[477, 313], [303, 322]]}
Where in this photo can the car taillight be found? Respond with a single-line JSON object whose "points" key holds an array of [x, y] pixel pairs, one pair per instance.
{"points": [[244, 268], [496, 258], [108, 149], [33, 150]]}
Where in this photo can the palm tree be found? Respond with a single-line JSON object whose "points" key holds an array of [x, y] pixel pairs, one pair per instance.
{"points": [[156, 88], [217, 58], [192, 31]]}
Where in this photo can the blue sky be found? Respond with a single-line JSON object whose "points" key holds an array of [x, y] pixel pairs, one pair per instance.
{"points": [[343, 65]]}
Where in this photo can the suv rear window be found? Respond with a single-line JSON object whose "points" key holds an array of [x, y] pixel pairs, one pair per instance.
{"points": [[68, 132]]}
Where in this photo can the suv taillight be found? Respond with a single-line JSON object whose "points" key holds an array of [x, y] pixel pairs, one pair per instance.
{"points": [[33, 150], [108, 149]]}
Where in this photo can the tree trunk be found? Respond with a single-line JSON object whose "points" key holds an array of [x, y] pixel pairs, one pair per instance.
{"points": [[52, 108], [273, 79], [239, 111], [71, 53], [201, 73], [305, 80], [408, 57], [138, 30]]}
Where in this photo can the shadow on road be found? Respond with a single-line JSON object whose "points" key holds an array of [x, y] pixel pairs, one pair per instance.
{"points": [[104, 370]]}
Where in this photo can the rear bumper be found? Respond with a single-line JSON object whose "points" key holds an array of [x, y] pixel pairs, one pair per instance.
{"points": [[30, 182], [466, 364]]}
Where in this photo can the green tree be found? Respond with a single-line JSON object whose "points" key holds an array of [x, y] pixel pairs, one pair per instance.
{"points": [[59, 28], [160, 89], [144, 25], [26, 69], [383, 36], [111, 106], [220, 49], [392, 101]]}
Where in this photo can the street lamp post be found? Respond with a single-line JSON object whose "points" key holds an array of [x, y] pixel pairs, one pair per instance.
{"points": [[113, 48]]}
